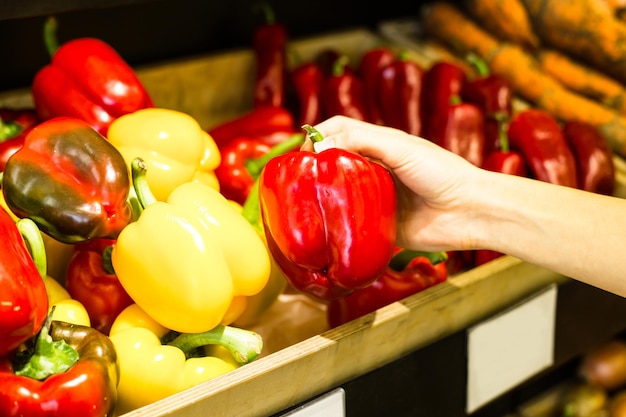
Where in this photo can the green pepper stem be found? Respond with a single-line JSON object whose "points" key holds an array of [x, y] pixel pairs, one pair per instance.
{"points": [[50, 35], [9, 130], [251, 210], [244, 345], [312, 133], [481, 66], [268, 12], [339, 66], [503, 138], [255, 166], [400, 260], [138, 170], [34, 242]]}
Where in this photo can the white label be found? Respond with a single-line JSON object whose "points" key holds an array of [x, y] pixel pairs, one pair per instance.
{"points": [[510, 347], [328, 405]]}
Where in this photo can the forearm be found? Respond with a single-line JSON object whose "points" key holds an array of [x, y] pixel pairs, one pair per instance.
{"points": [[580, 235]]}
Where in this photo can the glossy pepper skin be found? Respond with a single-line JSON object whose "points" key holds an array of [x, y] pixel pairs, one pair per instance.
{"points": [[14, 125], [70, 181], [307, 80], [594, 158], [90, 279], [197, 236], [398, 92], [269, 44], [87, 79], [268, 124], [539, 138], [329, 219], [372, 61], [419, 273], [442, 81], [23, 297], [154, 365], [343, 93], [88, 388], [460, 128], [172, 144]]}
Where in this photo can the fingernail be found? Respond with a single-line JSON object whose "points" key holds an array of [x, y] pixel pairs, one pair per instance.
{"points": [[327, 143]]}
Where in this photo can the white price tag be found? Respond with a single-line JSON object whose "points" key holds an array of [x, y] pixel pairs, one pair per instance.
{"points": [[510, 347], [331, 404]]}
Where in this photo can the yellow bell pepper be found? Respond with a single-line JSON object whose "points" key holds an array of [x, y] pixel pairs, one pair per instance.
{"points": [[171, 143], [65, 307], [152, 368], [189, 262]]}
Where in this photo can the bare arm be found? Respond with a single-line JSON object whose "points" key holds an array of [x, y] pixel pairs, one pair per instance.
{"points": [[445, 203]]}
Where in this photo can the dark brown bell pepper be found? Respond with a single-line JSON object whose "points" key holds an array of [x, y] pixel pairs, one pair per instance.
{"points": [[539, 138], [594, 158]]}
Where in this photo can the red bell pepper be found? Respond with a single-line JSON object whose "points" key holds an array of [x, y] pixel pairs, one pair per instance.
{"points": [[326, 59], [594, 157], [269, 124], [442, 81], [372, 61], [23, 297], [403, 277], [243, 160], [398, 91], [460, 128], [70, 181], [343, 93], [539, 138], [492, 93], [330, 219], [307, 80], [71, 370], [87, 79], [270, 50], [14, 125], [90, 279]]}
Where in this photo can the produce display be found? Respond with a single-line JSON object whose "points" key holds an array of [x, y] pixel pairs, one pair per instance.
{"points": [[182, 236]]}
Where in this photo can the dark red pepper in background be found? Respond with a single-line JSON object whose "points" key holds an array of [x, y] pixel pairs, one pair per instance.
{"points": [[23, 297], [400, 280], [70, 181], [460, 128], [372, 61], [269, 44], [343, 93], [87, 79], [326, 59], [398, 93], [442, 81], [14, 125], [243, 159], [594, 158], [539, 138], [307, 80], [91, 280], [329, 219], [492, 93], [268, 124]]}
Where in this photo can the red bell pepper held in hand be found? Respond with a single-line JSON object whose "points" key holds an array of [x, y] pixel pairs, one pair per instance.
{"points": [[442, 81], [594, 158], [269, 124], [492, 93], [329, 218], [460, 128], [372, 61], [307, 80], [398, 93], [14, 125], [243, 160], [87, 79], [70, 181], [23, 297], [343, 93], [270, 50], [91, 280], [539, 138], [73, 372], [400, 280]]}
